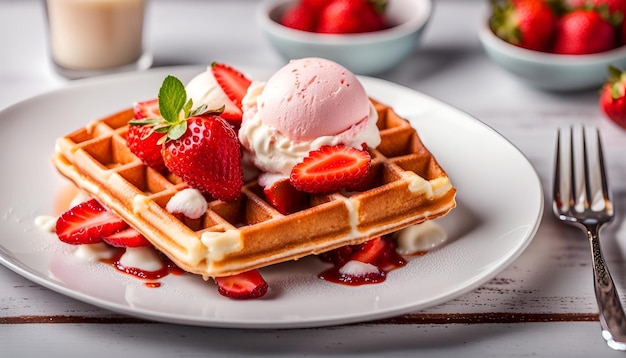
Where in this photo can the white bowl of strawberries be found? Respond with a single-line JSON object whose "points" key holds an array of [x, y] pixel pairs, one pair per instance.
{"points": [[547, 47], [366, 36]]}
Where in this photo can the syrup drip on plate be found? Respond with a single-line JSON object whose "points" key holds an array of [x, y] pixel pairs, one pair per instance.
{"points": [[363, 264], [167, 268]]}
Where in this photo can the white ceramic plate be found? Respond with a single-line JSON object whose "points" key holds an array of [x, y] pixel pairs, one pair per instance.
{"points": [[499, 208]]}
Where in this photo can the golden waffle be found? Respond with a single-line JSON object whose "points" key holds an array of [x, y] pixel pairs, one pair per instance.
{"points": [[405, 186]]}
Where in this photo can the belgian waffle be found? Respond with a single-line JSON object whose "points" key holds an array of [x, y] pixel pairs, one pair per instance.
{"points": [[405, 186]]}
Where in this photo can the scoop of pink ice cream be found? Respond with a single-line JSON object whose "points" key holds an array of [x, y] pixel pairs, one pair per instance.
{"points": [[313, 97]]}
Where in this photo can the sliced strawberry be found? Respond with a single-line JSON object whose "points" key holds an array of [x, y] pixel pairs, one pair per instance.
{"points": [[249, 284], [142, 141], [362, 264], [350, 271], [147, 109], [285, 198], [235, 85], [338, 256], [88, 223], [330, 168], [380, 252], [371, 252], [127, 238]]}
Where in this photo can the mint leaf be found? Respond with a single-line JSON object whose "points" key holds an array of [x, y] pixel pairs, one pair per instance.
{"points": [[172, 97]]}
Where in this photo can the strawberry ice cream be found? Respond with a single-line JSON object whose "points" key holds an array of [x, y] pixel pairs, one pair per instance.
{"points": [[308, 103], [313, 97]]}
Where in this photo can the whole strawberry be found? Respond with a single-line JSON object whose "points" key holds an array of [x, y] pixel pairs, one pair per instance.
{"points": [[584, 31], [207, 157], [612, 5], [623, 33], [613, 96], [198, 146], [525, 23], [352, 16], [301, 17], [315, 5]]}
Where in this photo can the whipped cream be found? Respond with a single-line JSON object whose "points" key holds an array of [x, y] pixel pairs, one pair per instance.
{"points": [[94, 252], [144, 258], [357, 268], [421, 237], [271, 151], [189, 202], [46, 222]]}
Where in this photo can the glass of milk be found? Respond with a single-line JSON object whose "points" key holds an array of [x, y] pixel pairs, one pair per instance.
{"points": [[95, 37]]}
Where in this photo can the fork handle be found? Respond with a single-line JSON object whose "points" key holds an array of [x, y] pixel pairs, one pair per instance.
{"points": [[612, 318]]}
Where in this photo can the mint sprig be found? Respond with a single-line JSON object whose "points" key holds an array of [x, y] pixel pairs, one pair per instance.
{"points": [[172, 97], [175, 110]]}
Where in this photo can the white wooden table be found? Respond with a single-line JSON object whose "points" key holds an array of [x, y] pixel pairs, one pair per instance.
{"points": [[541, 305]]}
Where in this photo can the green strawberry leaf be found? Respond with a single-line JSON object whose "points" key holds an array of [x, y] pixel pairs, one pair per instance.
{"points": [[177, 130], [188, 107], [144, 121], [172, 97], [199, 111]]}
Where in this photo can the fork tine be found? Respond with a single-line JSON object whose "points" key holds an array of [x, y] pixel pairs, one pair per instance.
{"points": [[586, 189], [573, 196], [556, 185], [606, 193]]}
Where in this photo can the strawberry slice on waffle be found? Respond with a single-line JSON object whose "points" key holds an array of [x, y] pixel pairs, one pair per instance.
{"points": [[234, 84]]}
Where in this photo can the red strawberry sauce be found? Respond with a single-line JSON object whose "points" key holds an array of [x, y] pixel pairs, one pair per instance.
{"points": [[167, 268]]}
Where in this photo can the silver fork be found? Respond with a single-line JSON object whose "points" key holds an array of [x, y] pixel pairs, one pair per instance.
{"points": [[581, 197]]}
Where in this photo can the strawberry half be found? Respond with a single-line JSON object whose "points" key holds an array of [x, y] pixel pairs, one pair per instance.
{"points": [[249, 284], [207, 157], [88, 223], [338, 256], [127, 238], [371, 252], [330, 169], [285, 198], [235, 85]]}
